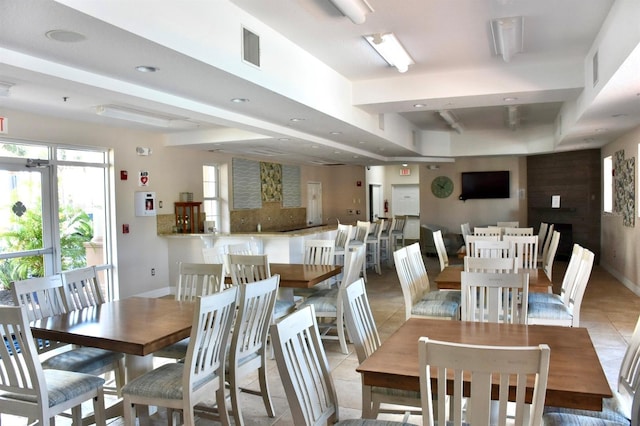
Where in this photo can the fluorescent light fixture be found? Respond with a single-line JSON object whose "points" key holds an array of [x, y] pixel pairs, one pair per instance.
{"points": [[451, 120], [5, 88], [356, 10], [389, 47], [141, 117], [508, 36]]}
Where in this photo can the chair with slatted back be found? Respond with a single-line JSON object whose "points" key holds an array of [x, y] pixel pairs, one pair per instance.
{"points": [[444, 366], [82, 288], [485, 248], [625, 404], [317, 252], [420, 278], [567, 281], [385, 241], [441, 249], [364, 335], [547, 262], [518, 231], [360, 233], [542, 234], [28, 390], [491, 264], [306, 375], [181, 386], [343, 236], [248, 350], [43, 297], [472, 239], [194, 280], [328, 306], [397, 232], [495, 297], [465, 228], [237, 248], [488, 231], [546, 243], [526, 247], [373, 245]]}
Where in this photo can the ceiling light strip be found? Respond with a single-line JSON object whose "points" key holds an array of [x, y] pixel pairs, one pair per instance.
{"points": [[389, 47]]}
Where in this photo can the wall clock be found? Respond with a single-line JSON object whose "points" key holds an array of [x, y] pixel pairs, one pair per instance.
{"points": [[442, 186]]}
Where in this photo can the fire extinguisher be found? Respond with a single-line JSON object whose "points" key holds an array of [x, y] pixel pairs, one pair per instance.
{"points": [[386, 206]]}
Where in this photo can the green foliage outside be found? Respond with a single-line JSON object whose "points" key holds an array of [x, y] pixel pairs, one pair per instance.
{"points": [[26, 234]]}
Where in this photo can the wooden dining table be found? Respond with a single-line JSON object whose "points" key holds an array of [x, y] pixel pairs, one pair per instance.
{"points": [[298, 275], [450, 278], [576, 378]]}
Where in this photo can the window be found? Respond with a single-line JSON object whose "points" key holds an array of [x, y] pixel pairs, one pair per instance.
{"points": [[211, 191], [607, 192]]}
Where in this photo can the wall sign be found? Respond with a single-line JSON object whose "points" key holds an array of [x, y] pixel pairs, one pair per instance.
{"points": [[143, 178]]}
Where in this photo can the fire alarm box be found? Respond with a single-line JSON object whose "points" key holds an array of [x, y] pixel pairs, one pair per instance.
{"points": [[145, 203]]}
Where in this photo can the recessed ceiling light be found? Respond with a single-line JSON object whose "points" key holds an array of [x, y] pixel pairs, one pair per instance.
{"points": [[509, 99], [65, 36], [284, 139], [336, 133], [315, 146], [419, 105], [619, 115], [296, 119], [404, 164], [362, 142], [336, 152], [356, 156], [239, 100], [147, 68]]}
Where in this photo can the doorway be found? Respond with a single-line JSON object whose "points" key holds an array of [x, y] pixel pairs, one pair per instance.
{"points": [[406, 201], [375, 202], [314, 203]]}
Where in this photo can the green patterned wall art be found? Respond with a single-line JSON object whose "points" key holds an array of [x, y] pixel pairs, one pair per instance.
{"points": [[271, 181], [624, 198]]}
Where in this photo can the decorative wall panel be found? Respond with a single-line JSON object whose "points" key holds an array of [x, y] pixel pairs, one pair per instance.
{"points": [[271, 180], [246, 184], [291, 186]]}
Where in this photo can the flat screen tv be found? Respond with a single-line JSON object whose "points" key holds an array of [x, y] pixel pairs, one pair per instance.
{"points": [[479, 185]]}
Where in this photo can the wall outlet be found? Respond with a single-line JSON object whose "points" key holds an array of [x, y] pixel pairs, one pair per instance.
{"points": [[153, 272]]}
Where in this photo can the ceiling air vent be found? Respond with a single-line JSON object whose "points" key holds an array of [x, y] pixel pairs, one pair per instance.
{"points": [[250, 47]]}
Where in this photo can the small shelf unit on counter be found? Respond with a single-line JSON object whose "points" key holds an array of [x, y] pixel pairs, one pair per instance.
{"points": [[188, 217]]}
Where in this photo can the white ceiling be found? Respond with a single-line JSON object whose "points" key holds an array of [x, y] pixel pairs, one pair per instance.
{"points": [[195, 44]]}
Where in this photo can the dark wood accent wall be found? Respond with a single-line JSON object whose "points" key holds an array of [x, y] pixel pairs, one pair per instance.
{"points": [[575, 176]]}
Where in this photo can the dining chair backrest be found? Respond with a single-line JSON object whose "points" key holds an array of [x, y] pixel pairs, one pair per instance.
{"points": [[472, 239], [580, 285], [490, 264], [319, 252], [343, 236], [412, 281], [629, 375], [198, 279], [547, 263], [441, 249], [206, 357], [465, 228], [82, 288], [492, 249], [42, 296], [238, 248], [511, 369], [488, 231], [547, 241], [509, 224], [361, 231], [526, 249], [354, 259], [24, 387], [418, 268], [495, 297], [359, 320], [304, 369], [542, 234], [247, 268], [518, 231], [212, 255]]}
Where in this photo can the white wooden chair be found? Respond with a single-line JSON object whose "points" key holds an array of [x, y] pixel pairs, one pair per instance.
{"points": [[495, 265], [82, 288], [305, 373], [547, 242], [625, 404], [441, 249], [526, 249], [397, 232], [373, 245], [238, 248], [565, 314], [385, 240], [329, 305], [43, 297], [418, 300], [542, 234], [248, 350], [364, 335], [472, 239], [495, 297], [465, 228], [343, 236], [484, 248], [420, 277], [509, 368], [360, 235], [488, 231], [547, 262], [181, 386], [28, 390], [567, 281], [509, 224], [517, 231], [318, 252], [194, 280]]}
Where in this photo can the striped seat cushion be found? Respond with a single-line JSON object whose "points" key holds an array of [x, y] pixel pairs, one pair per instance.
{"points": [[544, 298], [165, 382], [283, 307], [370, 422], [82, 360], [613, 409], [561, 419], [450, 295], [436, 308], [549, 311], [324, 303]]}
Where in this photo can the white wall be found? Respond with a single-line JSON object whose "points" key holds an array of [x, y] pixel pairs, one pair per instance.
{"points": [[620, 246]]}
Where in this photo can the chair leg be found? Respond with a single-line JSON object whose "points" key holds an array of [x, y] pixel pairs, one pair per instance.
{"points": [[342, 338], [222, 406], [234, 392], [264, 389], [129, 412], [99, 409], [366, 403]]}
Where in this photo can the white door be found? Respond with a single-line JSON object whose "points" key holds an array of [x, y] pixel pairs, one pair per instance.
{"points": [[314, 203], [375, 202], [406, 201]]}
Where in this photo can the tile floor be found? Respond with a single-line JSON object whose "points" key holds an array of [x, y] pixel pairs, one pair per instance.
{"points": [[609, 311]]}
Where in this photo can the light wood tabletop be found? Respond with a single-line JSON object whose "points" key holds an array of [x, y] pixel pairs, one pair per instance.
{"points": [[450, 278], [576, 378], [135, 326], [297, 275]]}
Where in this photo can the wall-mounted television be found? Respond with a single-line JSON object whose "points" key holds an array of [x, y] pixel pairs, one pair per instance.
{"points": [[479, 185]]}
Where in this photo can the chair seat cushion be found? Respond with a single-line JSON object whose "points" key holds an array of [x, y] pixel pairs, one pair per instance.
{"points": [[176, 351], [395, 392], [165, 382], [561, 419], [436, 308], [283, 307], [82, 360], [544, 298], [63, 386], [326, 302], [549, 311], [613, 409], [370, 422], [450, 295]]}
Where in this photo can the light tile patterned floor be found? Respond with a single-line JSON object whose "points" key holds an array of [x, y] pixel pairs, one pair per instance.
{"points": [[609, 311]]}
